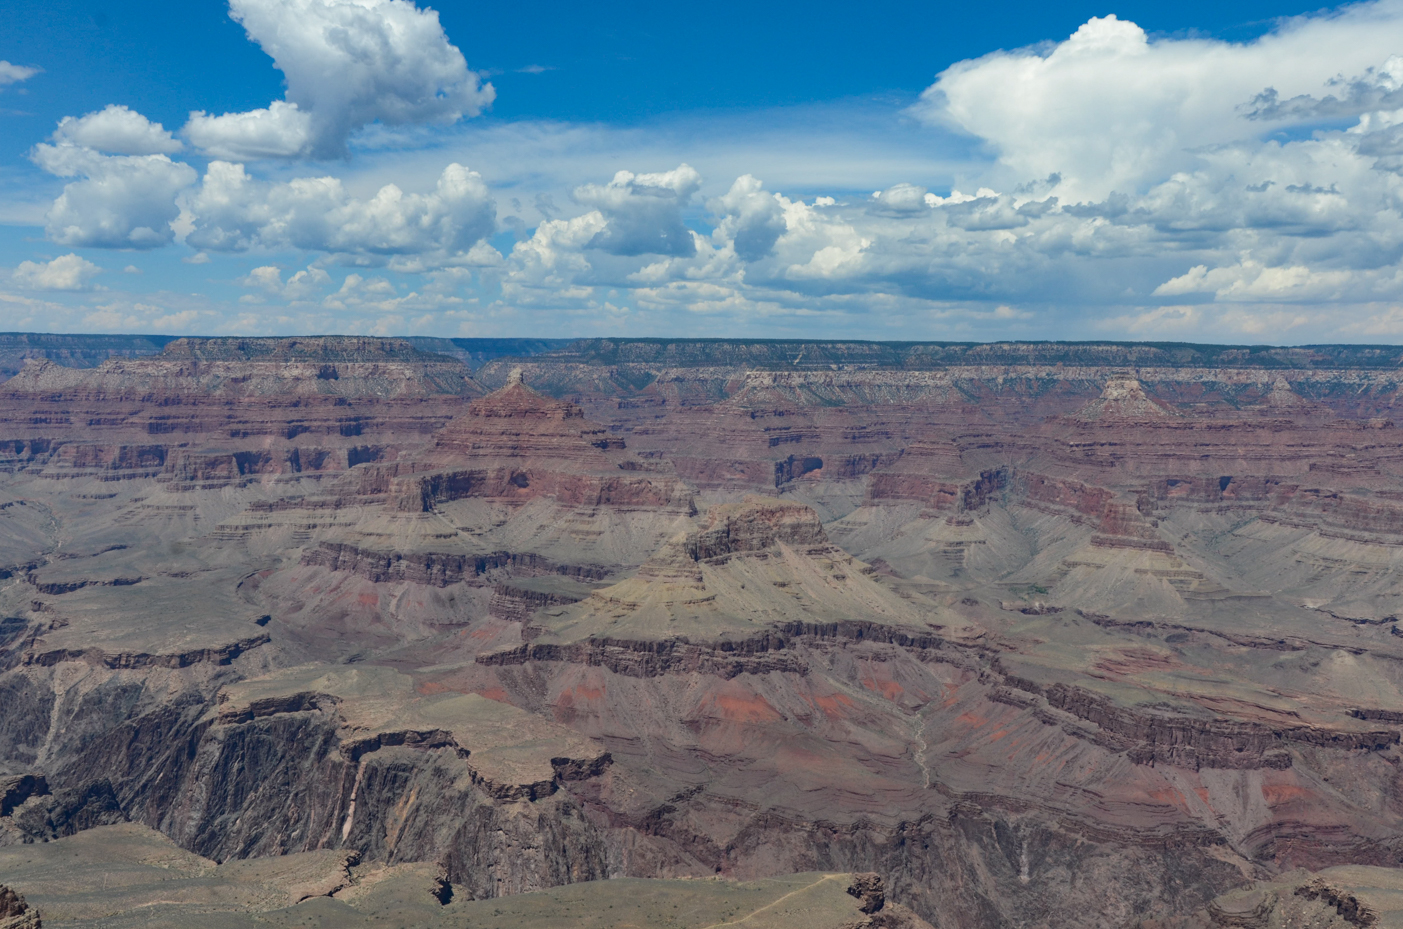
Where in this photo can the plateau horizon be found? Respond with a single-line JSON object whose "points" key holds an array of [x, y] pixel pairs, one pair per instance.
{"points": [[795, 352]]}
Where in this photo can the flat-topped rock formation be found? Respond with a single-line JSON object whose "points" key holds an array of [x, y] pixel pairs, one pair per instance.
{"points": [[930, 355], [1060, 377], [333, 348], [88, 351], [331, 366]]}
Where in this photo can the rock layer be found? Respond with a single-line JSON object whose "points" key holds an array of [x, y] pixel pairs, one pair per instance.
{"points": [[1066, 635]]}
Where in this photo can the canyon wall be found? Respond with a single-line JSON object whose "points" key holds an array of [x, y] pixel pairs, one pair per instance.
{"points": [[1075, 635]]}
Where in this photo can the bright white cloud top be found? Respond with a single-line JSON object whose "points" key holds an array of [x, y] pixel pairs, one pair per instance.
{"points": [[348, 63], [1121, 186], [231, 211], [1108, 110], [117, 130], [67, 272]]}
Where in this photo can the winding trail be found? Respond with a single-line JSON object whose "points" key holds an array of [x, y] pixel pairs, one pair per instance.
{"points": [[777, 902], [918, 733]]}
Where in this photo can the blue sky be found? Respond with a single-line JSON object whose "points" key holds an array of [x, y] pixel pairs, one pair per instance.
{"points": [[611, 62], [1197, 171]]}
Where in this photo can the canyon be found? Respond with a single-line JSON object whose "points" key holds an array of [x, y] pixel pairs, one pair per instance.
{"points": [[715, 632]]}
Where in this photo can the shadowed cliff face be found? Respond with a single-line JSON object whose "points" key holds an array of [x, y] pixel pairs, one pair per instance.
{"points": [[1066, 636]]}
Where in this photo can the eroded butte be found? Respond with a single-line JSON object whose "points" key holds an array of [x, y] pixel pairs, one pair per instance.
{"points": [[1034, 634]]}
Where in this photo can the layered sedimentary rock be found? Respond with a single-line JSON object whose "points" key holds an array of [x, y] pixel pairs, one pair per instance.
{"points": [[18, 348], [336, 366], [749, 571], [229, 411], [1067, 635], [516, 445], [1348, 897]]}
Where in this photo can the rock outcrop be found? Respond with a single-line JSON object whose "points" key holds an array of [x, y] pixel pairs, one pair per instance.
{"points": [[15, 913], [1123, 399], [1351, 897]]}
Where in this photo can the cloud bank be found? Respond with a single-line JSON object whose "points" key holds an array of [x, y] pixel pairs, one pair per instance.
{"points": [[232, 212], [1114, 184], [121, 201]]}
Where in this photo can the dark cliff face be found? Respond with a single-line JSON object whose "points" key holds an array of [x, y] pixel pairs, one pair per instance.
{"points": [[1055, 634]]}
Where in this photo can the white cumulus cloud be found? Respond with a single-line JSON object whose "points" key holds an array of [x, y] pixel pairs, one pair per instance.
{"points": [[1110, 109], [121, 201], [66, 272], [1251, 281], [231, 211], [1123, 185], [347, 63], [117, 130], [300, 286], [643, 212], [280, 130], [751, 219]]}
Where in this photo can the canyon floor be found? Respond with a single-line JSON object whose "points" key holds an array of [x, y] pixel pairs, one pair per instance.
{"points": [[347, 631]]}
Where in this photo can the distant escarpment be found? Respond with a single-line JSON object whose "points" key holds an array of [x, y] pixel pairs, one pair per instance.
{"points": [[1060, 377], [334, 366], [89, 351], [225, 410], [793, 354]]}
